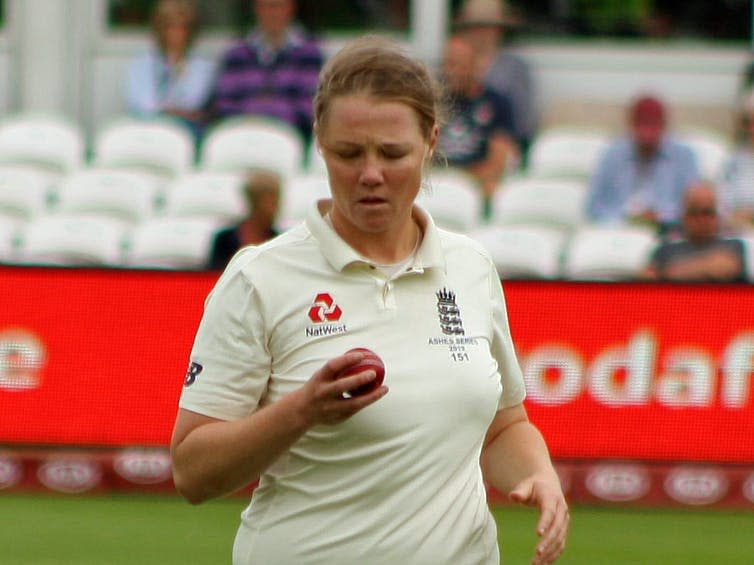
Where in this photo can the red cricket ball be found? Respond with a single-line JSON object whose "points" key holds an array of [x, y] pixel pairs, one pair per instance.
{"points": [[370, 361]]}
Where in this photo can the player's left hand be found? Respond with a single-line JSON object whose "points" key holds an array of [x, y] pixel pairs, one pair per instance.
{"points": [[552, 526]]}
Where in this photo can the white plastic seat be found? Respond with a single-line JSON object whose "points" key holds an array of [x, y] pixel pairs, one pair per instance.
{"points": [[566, 151], [47, 142], [747, 237], [608, 252], [161, 147], [9, 230], [523, 251], [240, 144], [206, 194], [710, 148], [126, 196], [24, 192], [298, 195], [553, 202], [71, 240], [452, 200], [315, 163], [171, 243]]}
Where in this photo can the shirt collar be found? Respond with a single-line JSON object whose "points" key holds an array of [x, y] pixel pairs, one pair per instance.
{"points": [[339, 254], [294, 37], [663, 150]]}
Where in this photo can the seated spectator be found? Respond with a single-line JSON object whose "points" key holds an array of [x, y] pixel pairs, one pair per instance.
{"points": [[272, 72], [486, 25], [262, 193], [642, 176], [170, 79], [701, 253], [476, 137], [737, 184]]}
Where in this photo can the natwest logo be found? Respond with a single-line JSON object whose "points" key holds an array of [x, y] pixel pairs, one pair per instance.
{"points": [[324, 309]]}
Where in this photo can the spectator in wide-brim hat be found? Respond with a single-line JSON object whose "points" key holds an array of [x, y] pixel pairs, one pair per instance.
{"points": [[484, 24]]}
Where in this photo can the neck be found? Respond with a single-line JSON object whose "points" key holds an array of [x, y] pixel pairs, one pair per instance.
{"points": [[255, 230], [384, 248]]}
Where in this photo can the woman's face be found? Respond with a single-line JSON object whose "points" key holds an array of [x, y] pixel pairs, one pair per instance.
{"points": [[175, 32], [374, 151]]}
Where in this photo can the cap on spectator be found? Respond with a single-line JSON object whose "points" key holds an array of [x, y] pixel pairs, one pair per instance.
{"points": [[648, 110], [486, 13]]}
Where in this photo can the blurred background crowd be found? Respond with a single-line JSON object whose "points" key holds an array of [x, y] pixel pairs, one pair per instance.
{"points": [[203, 141]]}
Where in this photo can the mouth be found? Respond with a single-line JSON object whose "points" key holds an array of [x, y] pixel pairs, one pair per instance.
{"points": [[372, 201]]}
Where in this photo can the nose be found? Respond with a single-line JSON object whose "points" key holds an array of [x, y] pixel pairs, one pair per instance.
{"points": [[371, 173]]}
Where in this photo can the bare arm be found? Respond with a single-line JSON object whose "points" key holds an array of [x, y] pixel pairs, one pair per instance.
{"points": [[515, 461], [720, 264], [489, 172], [213, 457]]}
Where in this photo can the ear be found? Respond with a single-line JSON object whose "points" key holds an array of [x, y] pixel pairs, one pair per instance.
{"points": [[432, 141]]}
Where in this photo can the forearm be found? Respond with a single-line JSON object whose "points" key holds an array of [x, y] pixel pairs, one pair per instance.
{"points": [[220, 457], [517, 453]]}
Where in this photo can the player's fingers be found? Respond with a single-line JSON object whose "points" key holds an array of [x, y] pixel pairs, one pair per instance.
{"points": [[331, 369], [342, 408], [553, 536]]}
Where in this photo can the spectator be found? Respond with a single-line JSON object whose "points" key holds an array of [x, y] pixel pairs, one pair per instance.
{"points": [[485, 24], [262, 194], [737, 184], [272, 72], [642, 176], [476, 137], [701, 253], [170, 78]]}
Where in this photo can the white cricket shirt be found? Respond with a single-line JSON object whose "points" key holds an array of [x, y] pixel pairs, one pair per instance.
{"points": [[400, 481]]}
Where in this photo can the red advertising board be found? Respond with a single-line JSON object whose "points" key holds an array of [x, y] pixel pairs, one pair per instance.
{"points": [[614, 371]]}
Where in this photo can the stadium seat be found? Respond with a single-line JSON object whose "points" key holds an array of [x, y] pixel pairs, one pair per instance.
{"points": [[608, 252], [748, 240], [452, 199], [315, 163], [24, 192], [298, 194], [8, 239], [73, 240], [46, 142], [239, 144], [566, 151], [552, 202], [161, 147], [171, 243], [206, 194], [523, 251], [126, 196], [711, 149]]}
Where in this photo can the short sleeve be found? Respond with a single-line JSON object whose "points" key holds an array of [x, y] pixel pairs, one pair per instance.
{"points": [[230, 362], [502, 348]]}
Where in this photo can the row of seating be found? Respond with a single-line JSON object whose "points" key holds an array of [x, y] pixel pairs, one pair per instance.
{"points": [[166, 148], [519, 251]]}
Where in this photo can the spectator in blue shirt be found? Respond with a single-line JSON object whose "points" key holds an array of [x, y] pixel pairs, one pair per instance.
{"points": [[477, 136], [273, 72], [643, 175], [170, 79]]}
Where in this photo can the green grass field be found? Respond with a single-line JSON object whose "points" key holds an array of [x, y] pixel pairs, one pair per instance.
{"points": [[144, 530]]}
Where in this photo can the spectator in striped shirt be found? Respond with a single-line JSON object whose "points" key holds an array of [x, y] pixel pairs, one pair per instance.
{"points": [[273, 71]]}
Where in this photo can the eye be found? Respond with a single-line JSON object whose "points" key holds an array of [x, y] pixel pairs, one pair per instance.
{"points": [[394, 153], [347, 153]]}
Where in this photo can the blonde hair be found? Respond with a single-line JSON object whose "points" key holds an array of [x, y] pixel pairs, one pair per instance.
{"points": [[380, 68]]}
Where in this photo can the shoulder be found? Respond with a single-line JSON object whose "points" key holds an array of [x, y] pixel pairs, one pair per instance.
{"points": [[272, 257], [238, 50], [457, 244]]}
